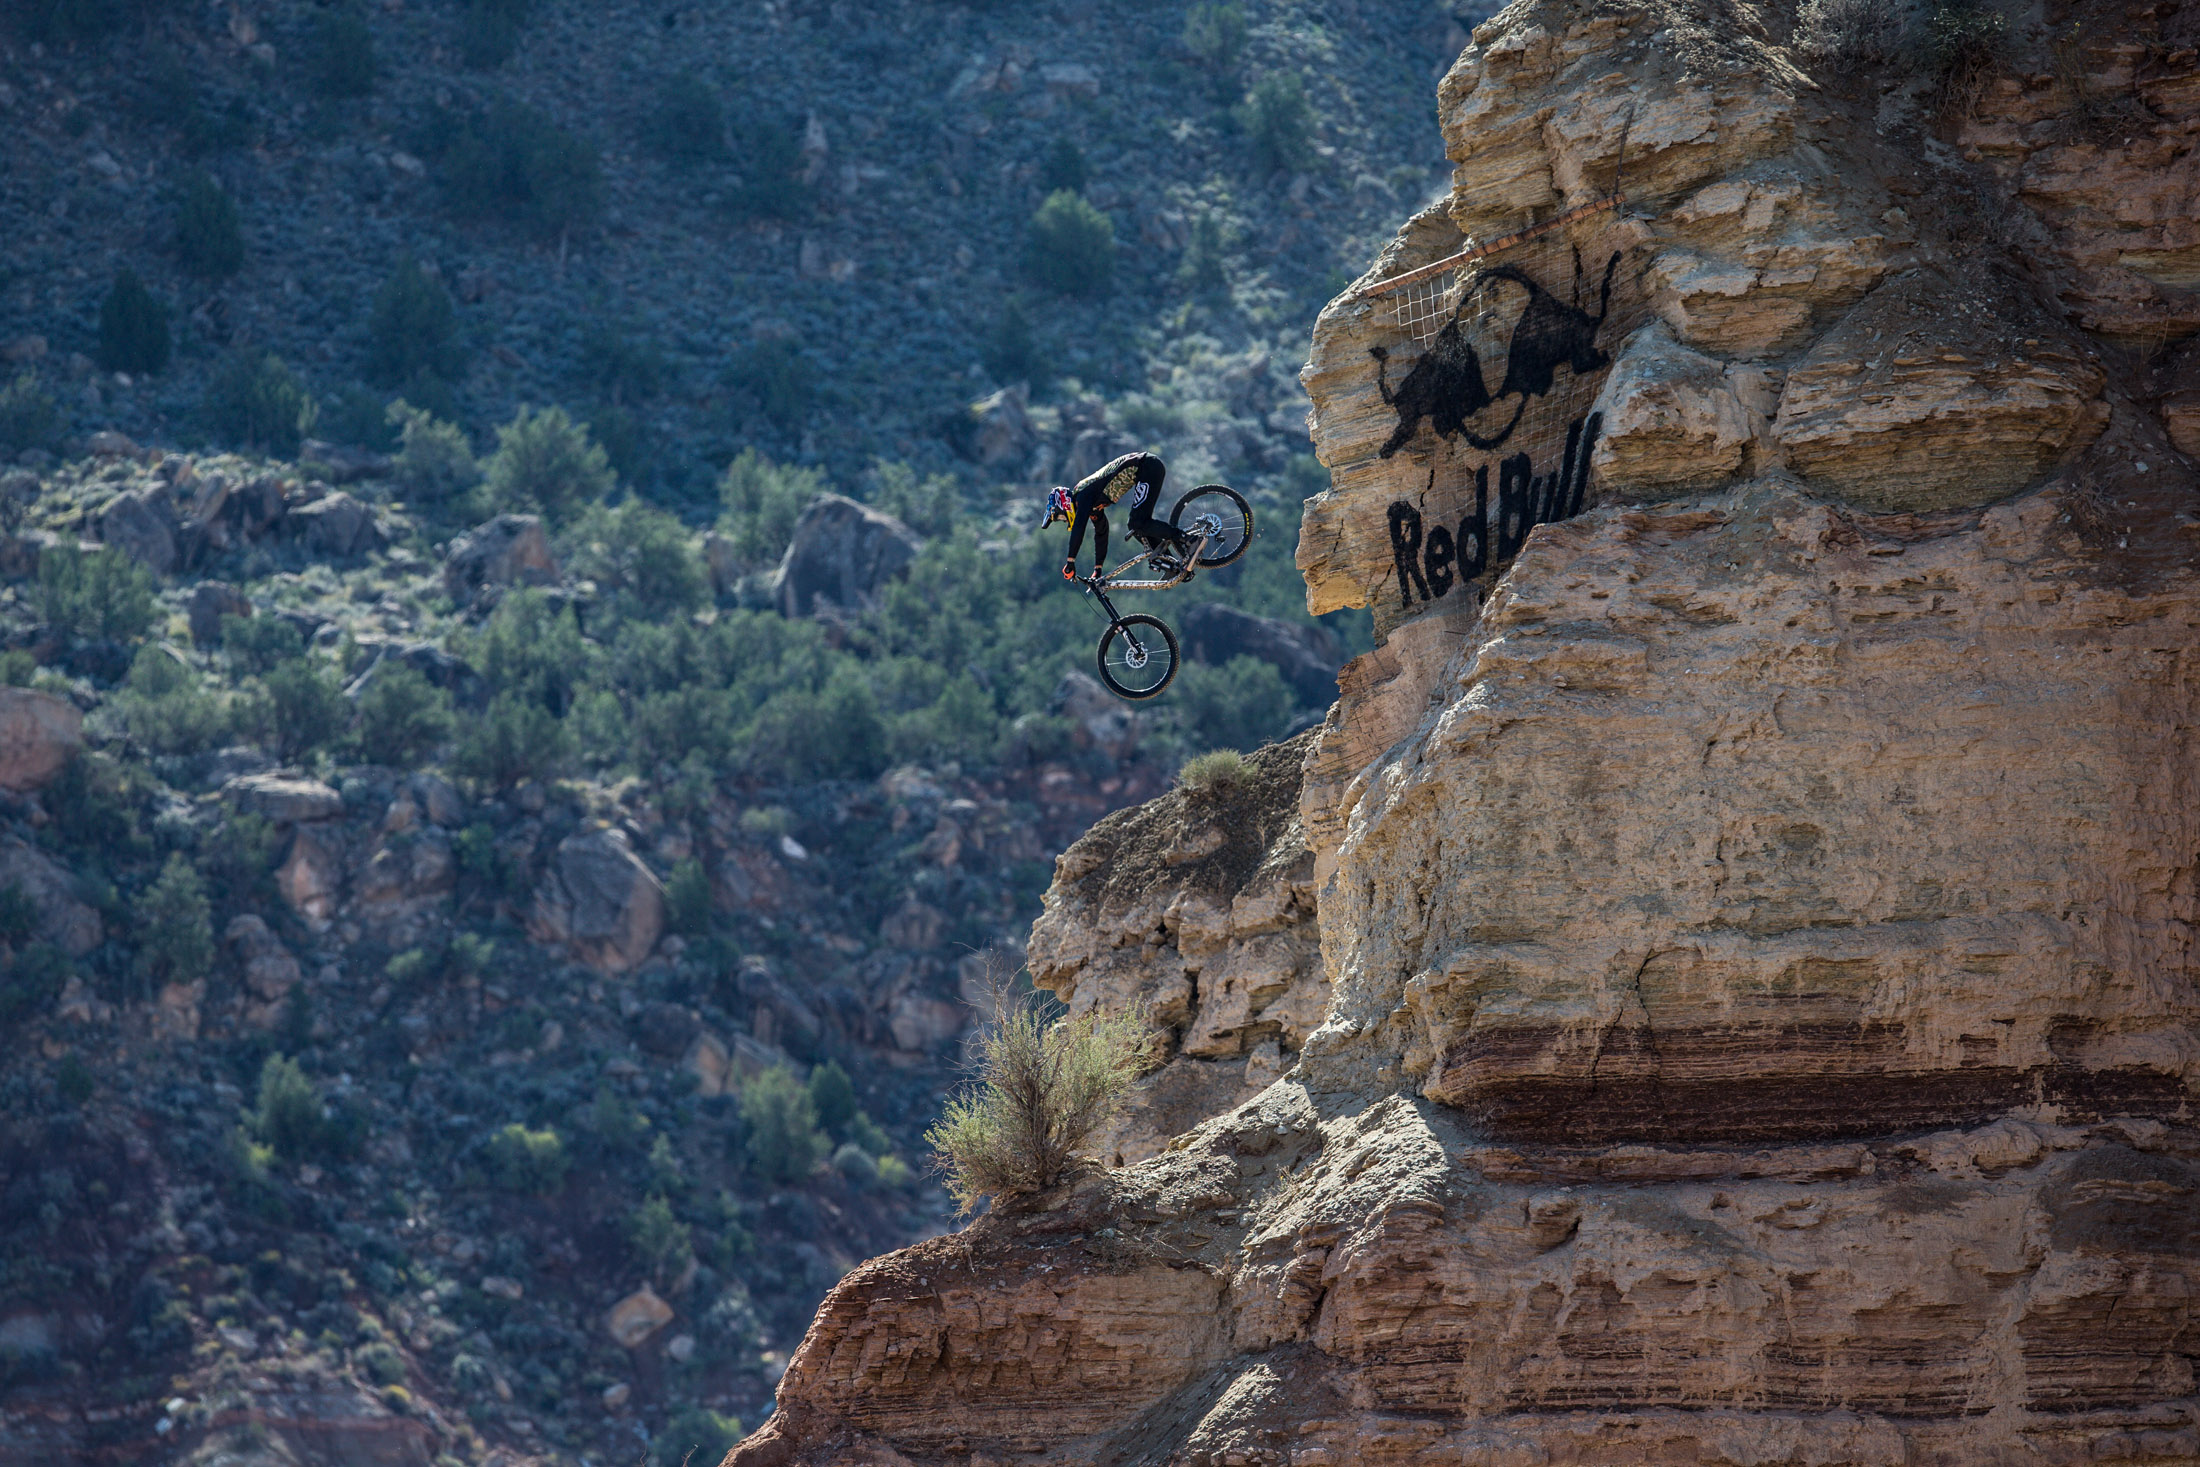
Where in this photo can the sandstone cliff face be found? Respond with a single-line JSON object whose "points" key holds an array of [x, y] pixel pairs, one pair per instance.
{"points": [[1755, 904], [1200, 906]]}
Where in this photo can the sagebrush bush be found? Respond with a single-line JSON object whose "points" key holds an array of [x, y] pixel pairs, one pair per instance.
{"points": [[513, 163], [209, 239], [29, 417], [528, 1161], [412, 329], [288, 1113], [661, 1242], [488, 31], [1849, 35], [1043, 1085], [514, 740], [1011, 351], [641, 556], [343, 53], [1213, 772], [168, 709], [434, 463], [1063, 167], [1278, 120], [1205, 267], [775, 375], [18, 914], [688, 898], [299, 708], [686, 123], [762, 500], [546, 463], [256, 401], [175, 925], [1215, 34], [784, 1143], [258, 644], [133, 327], [402, 717], [694, 1438], [99, 593], [767, 156], [833, 1097], [1070, 246], [1966, 46]]}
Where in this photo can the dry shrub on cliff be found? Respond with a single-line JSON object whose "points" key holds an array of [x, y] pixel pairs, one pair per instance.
{"points": [[1216, 770], [1849, 35], [1044, 1085]]}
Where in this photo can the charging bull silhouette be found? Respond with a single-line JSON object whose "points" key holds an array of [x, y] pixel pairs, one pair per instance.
{"points": [[1446, 385]]}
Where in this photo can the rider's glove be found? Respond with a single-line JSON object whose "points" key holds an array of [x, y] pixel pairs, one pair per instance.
{"points": [[1069, 570]]}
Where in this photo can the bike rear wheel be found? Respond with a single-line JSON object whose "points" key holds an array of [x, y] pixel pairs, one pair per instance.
{"points": [[1222, 515], [1138, 656]]}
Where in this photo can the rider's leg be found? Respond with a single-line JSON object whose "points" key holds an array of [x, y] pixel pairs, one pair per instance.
{"points": [[1148, 527]]}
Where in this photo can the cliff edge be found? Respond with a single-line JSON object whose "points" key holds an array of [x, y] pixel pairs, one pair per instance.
{"points": [[1753, 876]]}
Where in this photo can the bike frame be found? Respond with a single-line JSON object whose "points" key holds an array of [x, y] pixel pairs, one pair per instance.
{"points": [[1099, 585]]}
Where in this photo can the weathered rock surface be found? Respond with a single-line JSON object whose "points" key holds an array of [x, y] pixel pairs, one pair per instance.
{"points": [[1198, 906], [842, 552], [63, 919], [510, 550], [336, 526], [1762, 1021], [599, 900], [39, 734]]}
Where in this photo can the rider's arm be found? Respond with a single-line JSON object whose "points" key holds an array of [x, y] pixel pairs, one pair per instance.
{"points": [[1099, 542], [1076, 536]]}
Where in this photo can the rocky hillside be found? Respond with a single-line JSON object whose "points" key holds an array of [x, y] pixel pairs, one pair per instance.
{"points": [[1752, 874], [529, 705]]}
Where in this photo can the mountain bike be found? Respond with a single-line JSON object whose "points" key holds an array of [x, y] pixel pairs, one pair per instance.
{"points": [[1138, 653]]}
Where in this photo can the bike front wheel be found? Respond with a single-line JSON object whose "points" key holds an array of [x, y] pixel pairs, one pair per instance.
{"points": [[1138, 656], [1221, 514]]}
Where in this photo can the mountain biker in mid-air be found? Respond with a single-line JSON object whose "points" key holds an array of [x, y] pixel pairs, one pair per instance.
{"points": [[1136, 477]]}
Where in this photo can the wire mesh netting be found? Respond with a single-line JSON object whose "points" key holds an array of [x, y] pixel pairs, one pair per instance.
{"points": [[1491, 359]]}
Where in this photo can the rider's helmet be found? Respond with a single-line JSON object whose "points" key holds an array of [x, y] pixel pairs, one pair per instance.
{"points": [[1058, 506]]}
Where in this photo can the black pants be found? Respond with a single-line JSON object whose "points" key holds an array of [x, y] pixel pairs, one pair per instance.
{"points": [[1092, 497]]}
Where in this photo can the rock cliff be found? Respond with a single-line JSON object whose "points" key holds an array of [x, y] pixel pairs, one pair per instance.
{"points": [[1754, 875]]}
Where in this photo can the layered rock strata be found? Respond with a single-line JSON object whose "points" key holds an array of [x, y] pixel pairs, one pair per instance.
{"points": [[1756, 905]]}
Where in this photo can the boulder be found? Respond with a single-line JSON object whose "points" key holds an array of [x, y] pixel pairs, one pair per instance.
{"points": [[142, 525], [666, 1029], [1308, 657], [176, 1012], [1672, 421], [709, 1061], [510, 550], [438, 799], [638, 1316], [1103, 721], [1001, 427], [600, 902], [442, 669], [337, 526], [311, 877], [725, 567], [210, 602], [842, 552], [39, 734], [342, 463], [1934, 395], [267, 967], [62, 920], [284, 799]]}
